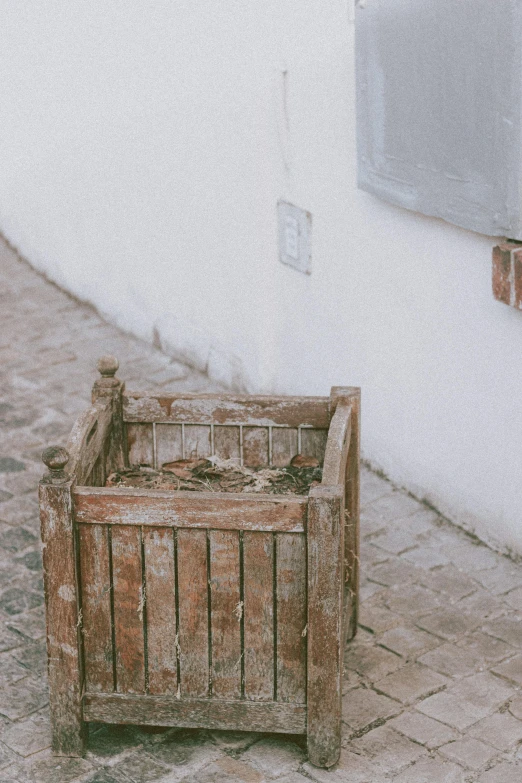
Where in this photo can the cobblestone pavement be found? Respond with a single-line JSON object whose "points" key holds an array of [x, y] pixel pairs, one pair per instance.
{"points": [[432, 686]]}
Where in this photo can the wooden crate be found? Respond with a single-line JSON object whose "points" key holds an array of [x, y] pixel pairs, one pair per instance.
{"points": [[217, 610]]}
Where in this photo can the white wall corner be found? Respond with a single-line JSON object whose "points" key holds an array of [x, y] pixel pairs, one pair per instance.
{"points": [[195, 347]]}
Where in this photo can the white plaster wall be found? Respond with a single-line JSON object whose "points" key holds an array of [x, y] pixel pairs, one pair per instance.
{"points": [[143, 148]]}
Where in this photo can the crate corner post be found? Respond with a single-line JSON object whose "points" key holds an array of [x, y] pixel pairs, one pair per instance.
{"points": [[62, 606], [325, 623]]}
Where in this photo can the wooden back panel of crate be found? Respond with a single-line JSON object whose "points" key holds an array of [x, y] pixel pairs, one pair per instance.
{"points": [[202, 595]]}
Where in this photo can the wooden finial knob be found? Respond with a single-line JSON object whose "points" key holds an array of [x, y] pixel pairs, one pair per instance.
{"points": [[56, 458], [108, 366]]}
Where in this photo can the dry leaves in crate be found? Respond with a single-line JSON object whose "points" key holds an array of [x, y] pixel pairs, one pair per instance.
{"points": [[217, 475]]}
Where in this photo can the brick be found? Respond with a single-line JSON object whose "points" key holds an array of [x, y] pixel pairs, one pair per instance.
{"points": [[411, 683], [423, 730], [469, 752], [501, 730], [363, 707]]}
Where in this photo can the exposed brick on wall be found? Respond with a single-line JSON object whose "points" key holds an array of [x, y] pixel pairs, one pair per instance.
{"points": [[507, 273]]}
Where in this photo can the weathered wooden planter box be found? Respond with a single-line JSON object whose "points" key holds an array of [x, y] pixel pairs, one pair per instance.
{"points": [[201, 609]]}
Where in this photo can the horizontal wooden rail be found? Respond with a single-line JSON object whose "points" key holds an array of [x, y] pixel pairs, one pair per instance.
{"points": [[212, 510], [195, 713], [227, 409], [337, 445], [88, 438]]}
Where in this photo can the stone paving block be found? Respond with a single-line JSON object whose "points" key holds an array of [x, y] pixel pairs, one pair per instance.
{"points": [[362, 707], [412, 600], [449, 622], [54, 769], [514, 598], [411, 683], [352, 768], [33, 656], [515, 706], [486, 648], [387, 749], [426, 557], [185, 752], [234, 741], [393, 505], [511, 670], [373, 486], [30, 624], [408, 641], [501, 730], [27, 737], [8, 639], [505, 772], [489, 607], [226, 770], [423, 521], [372, 662], [394, 572], [423, 730], [433, 770], [509, 629], [367, 589], [451, 660], [483, 691], [501, 579], [23, 698], [394, 541], [469, 752], [450, 581], [10, 670], [140, 768], [378, 618], [449, 709], [274, 757]]}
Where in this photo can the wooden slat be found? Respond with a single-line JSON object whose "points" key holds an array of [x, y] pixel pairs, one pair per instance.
{"points": [[158, 546], [351, 395], [337, 445], [313, 443], [193, 612], [128, 609], [196, 441], [291, 617], [255, 446], [284, 446], [168, 443], [258, 589], [88, 439], [195, 713], [220, 510], [325, 637], [96, 607], [140, 444], [227, 409], [226, 614], [226, 443], [61, 603]]}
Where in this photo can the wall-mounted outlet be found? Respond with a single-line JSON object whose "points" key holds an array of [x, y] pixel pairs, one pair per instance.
{"points": [[295, 228]]}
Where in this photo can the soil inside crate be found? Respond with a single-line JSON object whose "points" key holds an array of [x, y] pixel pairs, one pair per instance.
{"points": [[216, 475]]}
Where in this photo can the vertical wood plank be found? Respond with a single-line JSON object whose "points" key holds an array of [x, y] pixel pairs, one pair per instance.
{"points": [[193, 612], [197, 441], [168, 443], [128, 609], [226, 613], [226, 443], [96, 608], [140, 444], [61, 600], [291, 617], [325, 624], [258, 591], [255, 446], [284, 446], [158, 547], [313, 443]]}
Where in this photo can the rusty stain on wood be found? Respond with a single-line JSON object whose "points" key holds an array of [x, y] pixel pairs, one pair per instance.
{"points": [[193, 613], [160, 610], [291, 617], [258, 557], [226, 627]]}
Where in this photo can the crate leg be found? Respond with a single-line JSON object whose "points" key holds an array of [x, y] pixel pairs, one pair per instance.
{"points": [[325, 623], [62, 606]]}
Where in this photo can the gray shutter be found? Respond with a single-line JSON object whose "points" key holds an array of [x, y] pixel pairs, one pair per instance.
{"points": [[439, 87]]}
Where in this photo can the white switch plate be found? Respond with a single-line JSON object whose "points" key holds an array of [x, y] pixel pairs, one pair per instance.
{"points": [[295, 228]]}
